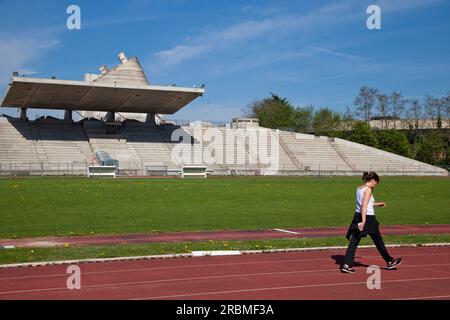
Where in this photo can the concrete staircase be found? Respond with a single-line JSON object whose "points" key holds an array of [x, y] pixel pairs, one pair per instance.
{"points": [[313, 152]]}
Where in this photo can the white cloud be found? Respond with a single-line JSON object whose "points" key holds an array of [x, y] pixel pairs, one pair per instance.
{"points": [[180, 53], [336, 53], [280, 25], [403, 5], [18, 52], [275, 26]]}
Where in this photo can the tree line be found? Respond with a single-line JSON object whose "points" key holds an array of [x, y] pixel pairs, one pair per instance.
{"points": [[431, 146]]}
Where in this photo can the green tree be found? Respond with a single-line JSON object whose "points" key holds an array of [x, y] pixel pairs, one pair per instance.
{"points": [[362, 133], [393, 141], [304, 119], [432, 148], [273, 112], [326, 120]]}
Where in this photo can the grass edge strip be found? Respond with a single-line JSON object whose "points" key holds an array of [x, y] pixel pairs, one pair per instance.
{"points": [[188, 255]]}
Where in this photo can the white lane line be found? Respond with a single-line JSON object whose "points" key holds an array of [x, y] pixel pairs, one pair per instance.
{"points": [[423, 298], [284, 288], [287, 231], [262, 274], [170, 280], [219, 265]]}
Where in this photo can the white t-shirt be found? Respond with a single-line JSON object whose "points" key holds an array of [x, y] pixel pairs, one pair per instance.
{"points": [[359, 202]]}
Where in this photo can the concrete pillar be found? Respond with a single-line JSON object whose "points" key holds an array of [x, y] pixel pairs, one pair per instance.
{"points": [[23, 115], [68, 115], [110, 117], [150, 118]]}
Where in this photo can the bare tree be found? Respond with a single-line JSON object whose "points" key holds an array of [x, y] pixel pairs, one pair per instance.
{"points": [[348, 119], [432, 110], [365, 101], [398, 104], [383, 109], [414, 114], [446, 107]]}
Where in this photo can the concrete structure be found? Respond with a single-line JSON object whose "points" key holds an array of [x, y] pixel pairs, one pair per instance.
{"points": [[123, 89], [93, 96], [154, 146], [243, 123], [408, 123]]}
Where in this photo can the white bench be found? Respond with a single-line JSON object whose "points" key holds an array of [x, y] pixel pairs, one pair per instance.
{"points": [[101, 171]]}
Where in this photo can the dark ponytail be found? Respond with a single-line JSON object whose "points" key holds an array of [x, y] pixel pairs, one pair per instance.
{"points": [[367, 176]]}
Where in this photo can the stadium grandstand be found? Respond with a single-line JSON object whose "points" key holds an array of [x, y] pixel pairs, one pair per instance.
{"points": [[122, 122]]}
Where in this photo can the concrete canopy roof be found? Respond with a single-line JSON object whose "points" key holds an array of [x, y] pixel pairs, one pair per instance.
{"points": [[97, 96]]}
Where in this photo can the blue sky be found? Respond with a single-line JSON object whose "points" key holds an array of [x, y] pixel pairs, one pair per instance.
{"points": [[312, 52]]}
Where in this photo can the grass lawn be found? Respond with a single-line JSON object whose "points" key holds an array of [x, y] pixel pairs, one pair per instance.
{"points": [[8, 256], [32, 207]]}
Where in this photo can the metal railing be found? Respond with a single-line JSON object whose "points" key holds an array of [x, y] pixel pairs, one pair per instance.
{"points": [[168, 169], [205, 123]]}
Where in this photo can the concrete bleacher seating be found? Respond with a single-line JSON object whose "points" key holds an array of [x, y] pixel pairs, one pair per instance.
{"points": [[16, 143], [114, 144], [47, 146], [60, 143], [313, 152], [43, 146], [365, 158], [148, 144]]}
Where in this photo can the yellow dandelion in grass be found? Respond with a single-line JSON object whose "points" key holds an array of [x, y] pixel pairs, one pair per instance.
{"points": [[31, 251], [66, 245]]}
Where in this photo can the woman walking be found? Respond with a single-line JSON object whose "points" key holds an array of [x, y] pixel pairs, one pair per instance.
{"points": [[365, 223]]}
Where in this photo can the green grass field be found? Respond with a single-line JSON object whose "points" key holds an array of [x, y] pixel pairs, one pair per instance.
{"points": [[31, 207]]}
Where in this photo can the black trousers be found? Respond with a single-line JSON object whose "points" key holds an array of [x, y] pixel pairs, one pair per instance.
{"points": [[355, 238]]}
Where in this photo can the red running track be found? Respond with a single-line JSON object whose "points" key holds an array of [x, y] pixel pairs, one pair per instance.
{"points": [[425, 274], [216, 235]]}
